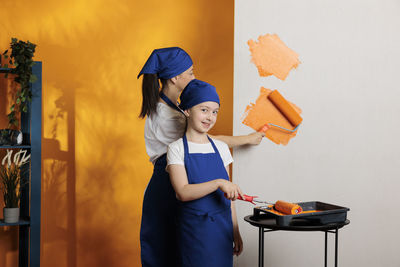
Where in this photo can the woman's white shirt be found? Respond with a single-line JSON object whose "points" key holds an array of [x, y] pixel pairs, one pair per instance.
{"points": [[161, 129], [176, 152]]}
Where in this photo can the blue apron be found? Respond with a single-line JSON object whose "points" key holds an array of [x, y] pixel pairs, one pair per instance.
{"points": [[205, 231], [158, 228], [157, 232]]}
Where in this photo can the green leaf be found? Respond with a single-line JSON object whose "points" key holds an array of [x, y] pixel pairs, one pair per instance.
{"points": [[33, 78], [25, 109], [18, 101]]}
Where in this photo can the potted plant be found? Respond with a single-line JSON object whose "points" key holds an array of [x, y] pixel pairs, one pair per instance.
{"points": [[21, 61], [12, 181], [22, 57]]}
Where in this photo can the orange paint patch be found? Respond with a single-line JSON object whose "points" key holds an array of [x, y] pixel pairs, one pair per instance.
{"points": [[264, 111], [272, 56]]}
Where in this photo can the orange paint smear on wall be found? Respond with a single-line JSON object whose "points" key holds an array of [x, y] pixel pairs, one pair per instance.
{"points": [[264, 111], [272, 56]]}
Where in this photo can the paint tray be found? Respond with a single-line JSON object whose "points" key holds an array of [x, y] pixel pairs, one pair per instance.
{"points": [[314, 212]]}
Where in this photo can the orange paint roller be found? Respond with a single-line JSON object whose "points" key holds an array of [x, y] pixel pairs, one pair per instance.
{"points": [[287, 208], [286, 109], [284, 207]]}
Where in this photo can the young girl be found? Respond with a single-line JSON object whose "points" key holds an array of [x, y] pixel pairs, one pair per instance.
{"points": [[208, 233], [165, 123]]}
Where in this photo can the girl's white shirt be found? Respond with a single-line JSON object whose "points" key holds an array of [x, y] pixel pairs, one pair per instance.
{"points": [[161, 129], [176, 152]]}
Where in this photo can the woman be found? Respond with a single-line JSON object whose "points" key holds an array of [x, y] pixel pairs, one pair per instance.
{"points": [[166, 123]]}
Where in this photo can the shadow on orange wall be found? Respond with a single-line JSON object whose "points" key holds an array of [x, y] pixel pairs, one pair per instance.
{"points": [[95, 168]]}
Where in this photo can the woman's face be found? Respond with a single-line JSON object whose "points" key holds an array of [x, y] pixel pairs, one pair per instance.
{"points": [[203, 116], [184, 78]]}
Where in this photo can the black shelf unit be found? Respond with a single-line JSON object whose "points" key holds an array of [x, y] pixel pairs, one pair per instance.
{"points": [[30, 206]]}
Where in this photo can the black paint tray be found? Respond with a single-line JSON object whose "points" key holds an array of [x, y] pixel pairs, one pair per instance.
{"points": [[324, 213]]}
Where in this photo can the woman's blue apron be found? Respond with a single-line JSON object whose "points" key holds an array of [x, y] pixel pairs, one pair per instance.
{"points": [[205, 231], [158, 228], [157, 231]]}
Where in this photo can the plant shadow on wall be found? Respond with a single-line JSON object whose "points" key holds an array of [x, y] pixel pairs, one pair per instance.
{"points": [[85, 219], [58, 184], [77, 211], [106, 194]]}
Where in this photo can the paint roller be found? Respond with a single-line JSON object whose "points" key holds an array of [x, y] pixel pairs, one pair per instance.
{"points": [[284, 207], [287, 111], [287, 208]]}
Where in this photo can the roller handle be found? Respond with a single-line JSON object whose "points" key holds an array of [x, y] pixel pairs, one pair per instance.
{"points": [[247, 198]]}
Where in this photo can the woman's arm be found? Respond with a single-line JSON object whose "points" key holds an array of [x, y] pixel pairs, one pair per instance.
{"points": [[187, 192], [233, 141]]}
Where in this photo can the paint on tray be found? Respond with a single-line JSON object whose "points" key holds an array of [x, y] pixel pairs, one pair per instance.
{"points": [[272, 56], [264, 111]]}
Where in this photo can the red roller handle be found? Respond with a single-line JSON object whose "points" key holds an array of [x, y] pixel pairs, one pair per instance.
{"points": [[247, 198]]}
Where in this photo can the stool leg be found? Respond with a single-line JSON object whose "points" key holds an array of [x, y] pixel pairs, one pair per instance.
{"points": [[261, 247], [326, 249], [336, 246]]}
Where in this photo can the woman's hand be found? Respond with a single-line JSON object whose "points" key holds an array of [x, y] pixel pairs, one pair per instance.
{"points": [[231, 190], [255, 138], [238, 242]]}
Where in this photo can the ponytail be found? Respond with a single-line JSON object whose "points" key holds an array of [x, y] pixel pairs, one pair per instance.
{"points": [[150, 93]]}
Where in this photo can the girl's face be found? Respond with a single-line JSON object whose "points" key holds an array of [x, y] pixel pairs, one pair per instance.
{"points": [[203, 116], [184, 78]]}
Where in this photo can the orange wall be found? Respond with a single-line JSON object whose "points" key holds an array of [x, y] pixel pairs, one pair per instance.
{"points": [[95, 168]]}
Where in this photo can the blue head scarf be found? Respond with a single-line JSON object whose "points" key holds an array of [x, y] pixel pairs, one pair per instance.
{"points": [[197, 92], [167, 62]]}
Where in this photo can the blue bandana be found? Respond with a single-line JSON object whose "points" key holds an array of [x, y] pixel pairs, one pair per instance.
{"points": [[197, 92], [167, 62]]}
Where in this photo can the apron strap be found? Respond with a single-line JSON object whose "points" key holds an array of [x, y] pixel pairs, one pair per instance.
{"points": [[169, 102], [214, 146], [185, 145]]}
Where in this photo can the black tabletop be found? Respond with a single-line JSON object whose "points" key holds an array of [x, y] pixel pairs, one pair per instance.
{"points": [[296, 225]]}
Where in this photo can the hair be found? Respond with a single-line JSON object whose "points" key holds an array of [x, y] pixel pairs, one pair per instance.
{"points": [[151, 94]]}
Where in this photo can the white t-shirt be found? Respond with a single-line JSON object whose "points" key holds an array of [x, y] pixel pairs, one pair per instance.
{"points": [[161, 129], [176, 152]]}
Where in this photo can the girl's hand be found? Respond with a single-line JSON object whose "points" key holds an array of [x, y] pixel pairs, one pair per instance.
{"points": [[238, 242], [231, 190], [255, 138]]}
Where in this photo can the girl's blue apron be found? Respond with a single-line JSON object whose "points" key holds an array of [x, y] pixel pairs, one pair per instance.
{"points": [[205, 231], [158, 228]]}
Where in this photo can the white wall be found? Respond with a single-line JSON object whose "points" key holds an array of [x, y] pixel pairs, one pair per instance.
{"points": [[347, 151]]}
